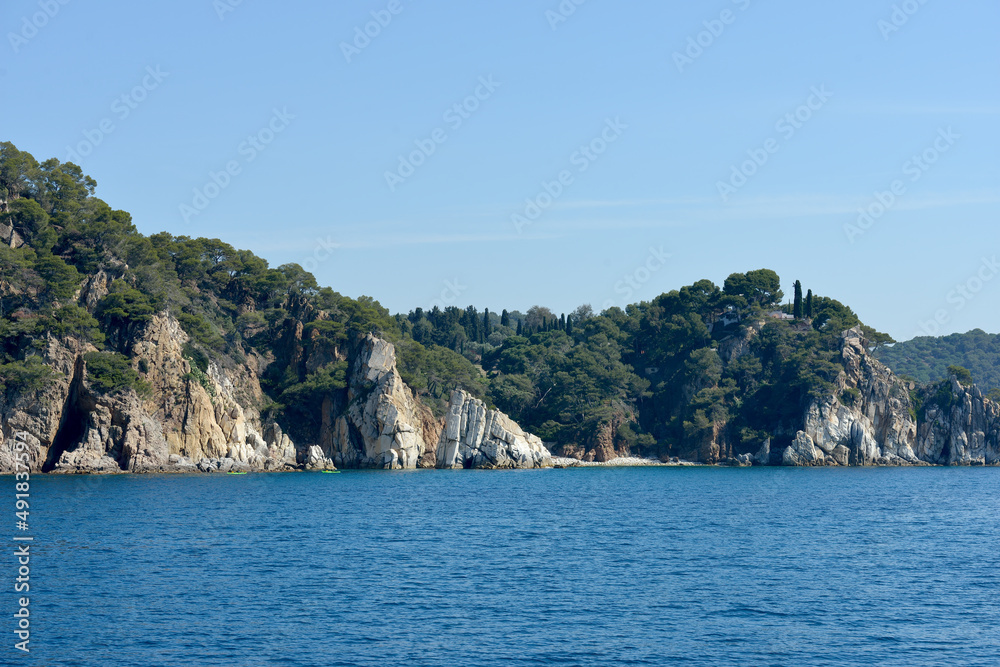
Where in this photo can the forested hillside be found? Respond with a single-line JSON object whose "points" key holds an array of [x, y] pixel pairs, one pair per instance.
{"points": [[928, 359], [703, 371]]}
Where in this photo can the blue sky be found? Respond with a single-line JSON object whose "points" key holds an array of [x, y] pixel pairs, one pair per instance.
{"points": [[819, 107]]}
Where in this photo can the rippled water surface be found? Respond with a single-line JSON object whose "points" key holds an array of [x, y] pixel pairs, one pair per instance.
{"points": [[642, 566]]}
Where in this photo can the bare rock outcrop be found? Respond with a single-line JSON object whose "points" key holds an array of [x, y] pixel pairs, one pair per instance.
{"points": [[383, 424], [188, 418], [477, 437], [873, 419], [961, 428]]}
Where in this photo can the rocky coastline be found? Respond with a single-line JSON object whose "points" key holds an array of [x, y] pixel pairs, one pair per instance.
{"points": [[213, 424]]}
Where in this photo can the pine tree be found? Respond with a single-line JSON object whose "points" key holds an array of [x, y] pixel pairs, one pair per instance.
{"points": [[797, 311], [809, 305], [505, 318]]}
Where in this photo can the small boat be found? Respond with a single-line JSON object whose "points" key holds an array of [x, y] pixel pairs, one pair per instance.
{"points": [[235, 473], [330, 472]]}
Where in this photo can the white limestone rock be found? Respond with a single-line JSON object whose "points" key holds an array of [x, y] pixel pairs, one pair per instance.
{"points": [[476, 437]]}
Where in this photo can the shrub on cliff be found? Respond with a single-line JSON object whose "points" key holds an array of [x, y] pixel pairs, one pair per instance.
{"points": [[25, 376], [111, 373]]}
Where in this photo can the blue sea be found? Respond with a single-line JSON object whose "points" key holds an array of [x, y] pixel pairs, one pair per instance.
{"points": [[588, 566]]}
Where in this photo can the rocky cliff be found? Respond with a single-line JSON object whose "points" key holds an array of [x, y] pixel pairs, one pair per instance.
{"points": [[382, 425], [876, 418], [184, 424], [209, 422], [477, 437]]}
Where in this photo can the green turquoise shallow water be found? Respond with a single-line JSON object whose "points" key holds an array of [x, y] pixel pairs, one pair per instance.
{"points": [[595, 566]]}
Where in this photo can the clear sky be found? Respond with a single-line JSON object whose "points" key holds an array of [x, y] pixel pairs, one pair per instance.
{"points": [[641, 109]]}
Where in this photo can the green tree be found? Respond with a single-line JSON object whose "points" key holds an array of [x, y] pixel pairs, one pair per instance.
{"points": [[110, 372], [962, 374], [122, 313], [32, 223], [60, 279], [809, 305], [25, 376], [761, 287], [797, 309]]}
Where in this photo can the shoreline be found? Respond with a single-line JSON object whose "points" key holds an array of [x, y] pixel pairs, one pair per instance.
{"points": [[558, 463], [622, 462]]}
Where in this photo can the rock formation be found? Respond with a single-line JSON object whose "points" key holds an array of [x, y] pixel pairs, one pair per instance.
{"points": [[71, 427], [873, 420], [477, 437], [195, 421], [209, 422], [383, 426]]}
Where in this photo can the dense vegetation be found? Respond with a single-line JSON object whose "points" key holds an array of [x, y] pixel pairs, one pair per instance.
{"points": [[662, 367], [927, 359], [671, 375], [229, 301]]}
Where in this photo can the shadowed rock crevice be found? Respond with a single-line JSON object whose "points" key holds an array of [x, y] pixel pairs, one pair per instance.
{"points": [[72, 425]]}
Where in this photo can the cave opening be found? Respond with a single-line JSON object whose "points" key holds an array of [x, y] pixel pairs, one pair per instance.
{"points": [[72, 424]]}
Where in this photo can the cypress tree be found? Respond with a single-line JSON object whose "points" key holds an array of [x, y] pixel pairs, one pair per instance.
{"points": [[569, 325], [505, 318], [520, 329], [809, 304], [797, 311], [486, 324], [562, 322]]}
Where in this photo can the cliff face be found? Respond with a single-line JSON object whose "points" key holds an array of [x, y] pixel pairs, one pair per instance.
{"points": [[383, 426], [213, 425], [965, 433], [477, 437], [210, 421], [71, 427], [873, 420]]}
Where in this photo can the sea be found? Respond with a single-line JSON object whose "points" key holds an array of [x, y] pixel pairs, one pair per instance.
{"points": [[578, 566]]}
